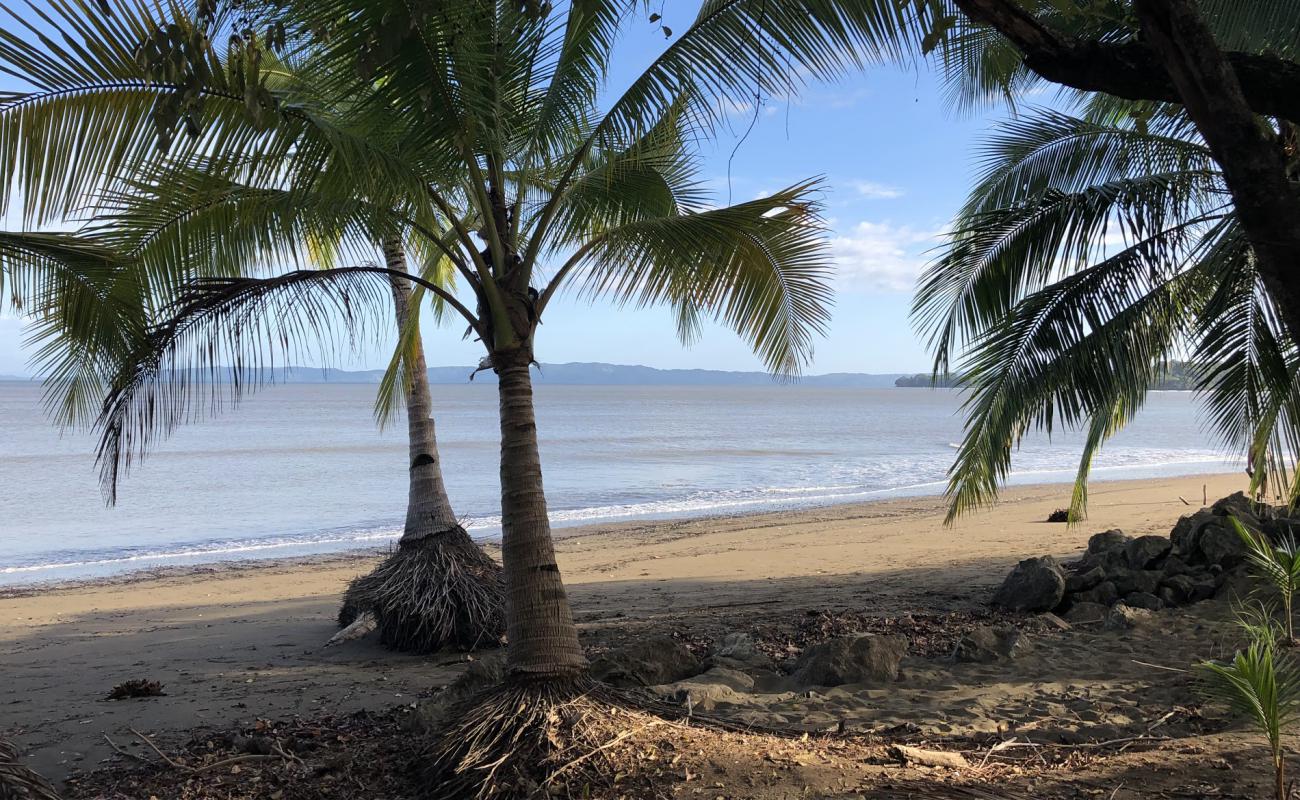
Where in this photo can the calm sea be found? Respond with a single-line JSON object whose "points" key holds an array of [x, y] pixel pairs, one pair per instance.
{"points": [[302, 469]]}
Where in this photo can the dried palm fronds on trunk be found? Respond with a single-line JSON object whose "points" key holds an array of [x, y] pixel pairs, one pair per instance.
{"points": [[17, 782], [438, 591]]}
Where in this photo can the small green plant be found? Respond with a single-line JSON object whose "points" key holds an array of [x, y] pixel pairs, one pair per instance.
{"points": [[1258, 619], [1277, 564], [1264, 686]]}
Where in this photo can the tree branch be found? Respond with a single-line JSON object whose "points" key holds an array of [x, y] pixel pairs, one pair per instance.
{"points": [[1131, 70], [1250, 155]]}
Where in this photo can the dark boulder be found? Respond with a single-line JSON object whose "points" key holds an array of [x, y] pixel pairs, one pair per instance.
{"points": [[1186, 534], [851, 659], [1238, 505], [1128, 581], [1084, 580], [1104, 594], [1036, 584], [1145, 552], [647, 662], [1221, 544]]}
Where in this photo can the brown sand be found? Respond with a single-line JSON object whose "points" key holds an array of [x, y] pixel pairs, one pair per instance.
{"points": [[239, 643]]}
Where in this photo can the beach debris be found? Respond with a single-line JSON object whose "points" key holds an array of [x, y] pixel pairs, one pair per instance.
{"points": [[858, 659], [137, 687], [1059, 515], [364, 624], [1036, 584], [987, 644], [1052, 621], [929, 758], [649, 661]]}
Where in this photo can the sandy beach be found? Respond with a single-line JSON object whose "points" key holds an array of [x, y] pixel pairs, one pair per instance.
{"points": [[243, 642]]}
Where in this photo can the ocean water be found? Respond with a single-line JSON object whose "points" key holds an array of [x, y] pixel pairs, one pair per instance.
{"points": [[302, 469]]}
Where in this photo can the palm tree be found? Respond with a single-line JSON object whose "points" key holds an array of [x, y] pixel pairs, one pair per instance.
{"points": [[163, 211], [518, 149], [1093, 250]]}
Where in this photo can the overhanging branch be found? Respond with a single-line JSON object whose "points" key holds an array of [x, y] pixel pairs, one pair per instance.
{"points": [[1131, 70]]}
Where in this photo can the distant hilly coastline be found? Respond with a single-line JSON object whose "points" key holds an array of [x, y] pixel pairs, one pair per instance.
{"points": [[585, 374]]}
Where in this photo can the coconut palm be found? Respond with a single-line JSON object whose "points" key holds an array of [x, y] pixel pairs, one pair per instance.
{"points": [[1262, 685], [562, 190], [193, 206], [1093, 251]]}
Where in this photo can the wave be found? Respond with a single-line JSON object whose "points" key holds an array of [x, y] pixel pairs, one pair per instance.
{"points": [[913, 476]]}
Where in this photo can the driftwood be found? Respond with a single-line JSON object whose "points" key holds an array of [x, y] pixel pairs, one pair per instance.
{"points": [[929, 758], [364, 624]]}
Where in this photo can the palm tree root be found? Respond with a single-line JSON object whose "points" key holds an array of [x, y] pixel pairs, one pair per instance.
{"points": [[434, 592], [528, 738]]}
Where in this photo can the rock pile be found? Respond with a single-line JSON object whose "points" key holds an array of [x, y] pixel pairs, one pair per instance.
{"points": [[1201, 555]]}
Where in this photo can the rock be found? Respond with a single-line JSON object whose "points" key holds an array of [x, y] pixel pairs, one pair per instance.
{"points": [[1106, 541], [1051, 620], [738, 651], [701, 696], [1280, 529], [1143, 600], [1238, 505], [1084, 580], [1145, 551], [652, 661], [725, 676], [1221, 544], [1106, 550], [1187, 533], [1104, 594], [1233, 585], [1168, 596], [1123, 618], [851, 659], [1086, 613], [1128, 581], [1036, 584], [1180, 586], [1175, 566], [986, 644]]}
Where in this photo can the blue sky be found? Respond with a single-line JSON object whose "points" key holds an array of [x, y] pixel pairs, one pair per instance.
{"points": [[897, 161]]}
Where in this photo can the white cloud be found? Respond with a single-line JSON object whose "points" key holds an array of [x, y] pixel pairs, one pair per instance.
{"points": [[881, 256], [877, 191]]}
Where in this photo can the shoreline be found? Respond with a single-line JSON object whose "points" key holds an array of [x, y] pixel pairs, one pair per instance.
{"points": [[245, 642], [1011, 493]]}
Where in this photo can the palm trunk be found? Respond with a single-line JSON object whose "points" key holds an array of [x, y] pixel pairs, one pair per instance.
{"points": [[438, 588], [543, 641], [428, 509]]}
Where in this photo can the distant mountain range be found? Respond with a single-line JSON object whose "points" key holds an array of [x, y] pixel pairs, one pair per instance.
{"points": [[587, 374]]}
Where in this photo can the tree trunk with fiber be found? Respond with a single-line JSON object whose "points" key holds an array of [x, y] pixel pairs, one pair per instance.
{"points": [[543, 639], [438, 588]]}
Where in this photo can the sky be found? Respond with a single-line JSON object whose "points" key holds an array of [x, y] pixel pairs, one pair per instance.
{"points": [[896, 160]]}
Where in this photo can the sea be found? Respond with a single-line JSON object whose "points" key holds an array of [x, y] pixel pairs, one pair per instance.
{"points": [[302, 469]]}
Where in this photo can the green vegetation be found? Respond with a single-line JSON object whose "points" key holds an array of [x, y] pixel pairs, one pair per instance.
{"points": [[1277, 564], [1176, 378], [1263, 685]]}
